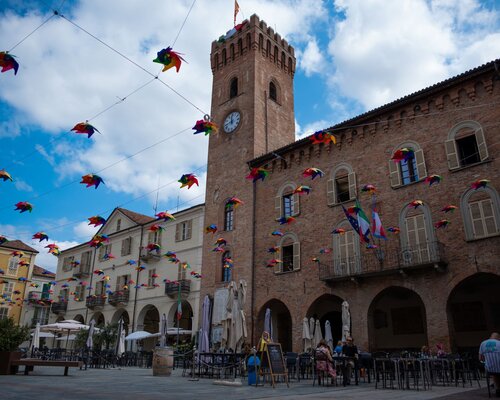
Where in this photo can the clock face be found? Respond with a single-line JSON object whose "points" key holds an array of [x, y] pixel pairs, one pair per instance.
{"points": [[232, 121]]}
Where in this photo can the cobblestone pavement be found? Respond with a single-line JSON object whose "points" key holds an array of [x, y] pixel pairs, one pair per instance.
{"points": [[136, 383]]}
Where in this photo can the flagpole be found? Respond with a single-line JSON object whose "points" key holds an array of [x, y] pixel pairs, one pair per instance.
{"points": [[178, 319]]}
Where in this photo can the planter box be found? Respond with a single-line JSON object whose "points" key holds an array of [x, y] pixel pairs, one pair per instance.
{"points": [[5, 359]]}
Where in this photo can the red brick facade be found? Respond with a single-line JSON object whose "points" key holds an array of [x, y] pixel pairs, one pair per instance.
{"points": [[426, 313]]}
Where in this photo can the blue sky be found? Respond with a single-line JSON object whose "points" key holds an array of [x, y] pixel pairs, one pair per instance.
{"points": [[352, 55]]}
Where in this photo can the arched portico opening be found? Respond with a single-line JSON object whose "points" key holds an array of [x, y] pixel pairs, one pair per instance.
{"points": [[328, 307], [281, 322], [98, 317]]}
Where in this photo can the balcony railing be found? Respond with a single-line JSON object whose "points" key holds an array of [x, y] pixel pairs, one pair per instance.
{"points": [[34, 296], [82, 271], [385, 260], [59, 307], [172, 288], [147, 255], [94, 302], [119, 298]]}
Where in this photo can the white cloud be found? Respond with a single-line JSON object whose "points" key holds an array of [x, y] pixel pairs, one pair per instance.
{"points": [[84, 231], [311, 128], [383, 50], [9, 129], [67, 77], [23, 186], [311, 59]]}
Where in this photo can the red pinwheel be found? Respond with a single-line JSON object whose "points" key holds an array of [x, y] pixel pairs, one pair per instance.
{"points": [[257, 173], [416, 203], [188, 180], [443, 223], [53, 249], [153, 247], [23, 206], [165, 216], [8, 62], [169, 59], [211, 229], [313, 173], [41, 236], [431, 179], [302, 189], [449, 208], [273, 250], [4, 175], [156, 228], [17, 253], [480, 183], [404, 154], [205, 126], [285, 220], [233, 202], [323, 137], [338, 231], [84, 128], [97, 220], [92, 180]]}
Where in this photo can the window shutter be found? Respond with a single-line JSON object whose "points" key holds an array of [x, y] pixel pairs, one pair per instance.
{"points": [[189, 228], [278, 268], [451, 154], [124, 247], [330, 192], [296, 204], [277, 205], [151, 237], [421, 169], [489, 218], [481, 145], [296, 256], [178, 231], [101, 252], [394, 174], [129, 247], [351, 179]]}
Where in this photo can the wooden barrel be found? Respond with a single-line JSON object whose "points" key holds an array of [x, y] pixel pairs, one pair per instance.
{"points": [[163, 361]]}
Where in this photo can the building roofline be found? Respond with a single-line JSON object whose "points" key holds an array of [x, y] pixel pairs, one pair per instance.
{"points": [[493, 65]]}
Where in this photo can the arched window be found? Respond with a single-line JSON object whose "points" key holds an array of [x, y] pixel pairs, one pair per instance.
{"points": [[227, 266], [240, 47], [233, 88], [341, 186], [346, 253], [231, 51], [224, 57], [466, 145], [268, 48], [289, 254], [283, 60], [273, 95], [418, 242], [409, 170], [276, 54], [481, 213], [229, 218], [286, 202], [249, 42]]}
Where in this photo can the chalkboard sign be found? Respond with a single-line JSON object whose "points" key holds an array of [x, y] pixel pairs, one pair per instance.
{"points": [[276, 361]]}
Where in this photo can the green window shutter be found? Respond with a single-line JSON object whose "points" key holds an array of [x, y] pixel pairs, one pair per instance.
{"points": [[296, 204], [452, 154], [394, 174], [351, 178], [330, 192], [421, 169], [481, 145]]}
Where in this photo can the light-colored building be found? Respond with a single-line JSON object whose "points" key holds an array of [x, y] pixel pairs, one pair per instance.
{"points": [[38, 297], [124, 279], [17, 261]]}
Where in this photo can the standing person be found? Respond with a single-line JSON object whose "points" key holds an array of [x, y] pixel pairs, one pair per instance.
{"points": [[489, 352], [351, 351]]}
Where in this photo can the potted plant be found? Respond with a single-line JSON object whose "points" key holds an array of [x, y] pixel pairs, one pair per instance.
{"points": [[11, 336]]}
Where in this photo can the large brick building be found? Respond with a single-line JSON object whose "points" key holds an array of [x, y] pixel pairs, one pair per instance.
{"points": [[422, 286]]}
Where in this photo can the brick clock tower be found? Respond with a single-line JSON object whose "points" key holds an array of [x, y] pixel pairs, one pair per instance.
{"points": [[252, 103]]}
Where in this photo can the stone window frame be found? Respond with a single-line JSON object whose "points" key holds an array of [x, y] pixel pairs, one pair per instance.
{"points": [[228, 210], [284, 190], [278, 268], [451, 149], [13, 266], [337, 262], [331, 187], [126, 246], [395, 174], [466, 215], [277, 88], [4, 312], [67, 263]]}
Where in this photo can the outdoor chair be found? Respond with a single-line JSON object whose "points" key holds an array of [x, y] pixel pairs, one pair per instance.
{"points": [[305, 366], [291, 364], [320, 373], [386, 372]]}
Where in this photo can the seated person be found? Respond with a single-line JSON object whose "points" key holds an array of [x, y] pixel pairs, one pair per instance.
{"points": [[324, 360], [351, 351], [338, 348]]}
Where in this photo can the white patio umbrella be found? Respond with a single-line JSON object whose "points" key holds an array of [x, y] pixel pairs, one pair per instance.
{"points": [[312, 326], [227, 323], [317, 334], [67, 327], [203, 342], [306, 334], [268, 324], [328, 335], [35, 341], [240, 329], [90, 337], [44, 335], [67, 337], [346, 321], [120, 349], [163, 330], [139, 335]]}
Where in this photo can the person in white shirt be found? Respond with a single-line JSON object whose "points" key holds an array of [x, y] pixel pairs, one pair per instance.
{"points": [[489, 352]]}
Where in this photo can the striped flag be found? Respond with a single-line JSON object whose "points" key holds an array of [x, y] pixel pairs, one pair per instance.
{"points": [[179, 305], [351, 220], [364, 224], [378, 229], [236, 10]]}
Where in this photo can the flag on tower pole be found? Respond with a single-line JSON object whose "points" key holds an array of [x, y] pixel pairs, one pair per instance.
{"points": [[236, 10]]}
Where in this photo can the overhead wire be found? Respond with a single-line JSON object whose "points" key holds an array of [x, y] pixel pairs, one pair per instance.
{"points": [[31, 33]]}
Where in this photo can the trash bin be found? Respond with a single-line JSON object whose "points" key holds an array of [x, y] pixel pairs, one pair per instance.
{"points": [[253, 363]]}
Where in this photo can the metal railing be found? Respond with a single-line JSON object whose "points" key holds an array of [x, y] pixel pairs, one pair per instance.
{"points": [[147, 255], [59, 307], [172, 288], [119, 298], [95, 301], [383, 260], [82, 271]]}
